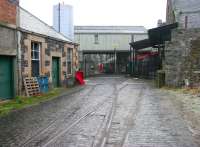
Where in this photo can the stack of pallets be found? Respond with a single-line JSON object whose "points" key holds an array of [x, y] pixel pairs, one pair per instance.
{"points": [[31, 86]]}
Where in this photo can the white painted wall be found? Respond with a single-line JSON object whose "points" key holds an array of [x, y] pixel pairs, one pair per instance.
{"points": [[107, 41]]}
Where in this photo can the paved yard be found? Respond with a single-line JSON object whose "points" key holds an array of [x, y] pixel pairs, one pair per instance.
{"points": [[109, 112]]}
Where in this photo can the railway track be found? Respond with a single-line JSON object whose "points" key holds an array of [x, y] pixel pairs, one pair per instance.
{"points": [[55, 129], [59, 127], [108, 125], [55, 121]]}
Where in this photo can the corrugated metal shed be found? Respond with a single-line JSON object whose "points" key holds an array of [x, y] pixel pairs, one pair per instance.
{"points": [[31, 23], [111, 29]]}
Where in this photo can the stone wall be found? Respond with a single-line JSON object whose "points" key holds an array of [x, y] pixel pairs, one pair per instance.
{"points": [[192, 21], [182, 58], [186, 13]]}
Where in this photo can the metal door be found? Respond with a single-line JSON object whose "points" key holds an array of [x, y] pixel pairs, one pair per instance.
{"points": [[6, 78], [55, 72]]}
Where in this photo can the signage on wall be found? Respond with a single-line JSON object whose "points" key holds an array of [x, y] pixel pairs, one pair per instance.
{"points": [[15, 2]]}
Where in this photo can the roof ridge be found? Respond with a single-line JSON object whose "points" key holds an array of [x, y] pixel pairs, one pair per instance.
{"points": [[44, 23], [108, 26]]}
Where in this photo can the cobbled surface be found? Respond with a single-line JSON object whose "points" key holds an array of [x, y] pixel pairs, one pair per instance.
{"points": [[111, 111]]}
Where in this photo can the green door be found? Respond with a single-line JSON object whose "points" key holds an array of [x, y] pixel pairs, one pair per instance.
{"points": [[6, 80], [55, 72]]}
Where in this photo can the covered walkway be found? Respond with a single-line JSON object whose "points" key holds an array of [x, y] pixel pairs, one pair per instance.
{"points": [[147, 55]]}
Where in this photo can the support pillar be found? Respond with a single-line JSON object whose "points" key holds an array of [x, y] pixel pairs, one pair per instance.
{"points": [[115, 58]]}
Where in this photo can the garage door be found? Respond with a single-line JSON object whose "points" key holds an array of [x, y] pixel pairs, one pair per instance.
{"points": [[6, 80]]}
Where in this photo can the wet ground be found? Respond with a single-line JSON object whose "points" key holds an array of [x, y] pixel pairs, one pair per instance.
{"points": [[109, 112]]}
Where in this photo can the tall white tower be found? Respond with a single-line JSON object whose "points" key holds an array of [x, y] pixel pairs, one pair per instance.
{"points": [[63, 20]]}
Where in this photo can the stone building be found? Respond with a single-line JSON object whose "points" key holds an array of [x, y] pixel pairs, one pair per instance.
{"points": [[30, 48], [182, 54], [182, 58], [185, 12]]}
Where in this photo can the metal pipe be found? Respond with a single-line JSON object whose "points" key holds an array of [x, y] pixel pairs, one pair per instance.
{"points": [[59, 17], [131, 60], [85, 66], [134, 56], [19, 72], [115, 57]]}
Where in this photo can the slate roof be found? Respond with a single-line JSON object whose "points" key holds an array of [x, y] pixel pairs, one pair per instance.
{"points": [[111, 29], [31, 23], [186, 5]]}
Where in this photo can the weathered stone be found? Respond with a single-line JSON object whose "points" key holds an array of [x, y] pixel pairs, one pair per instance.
{"points": [[182, 57], [47, 63]]}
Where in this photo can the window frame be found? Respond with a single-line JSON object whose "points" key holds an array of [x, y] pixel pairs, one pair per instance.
{"points": [[69, 60], [33, 58]]}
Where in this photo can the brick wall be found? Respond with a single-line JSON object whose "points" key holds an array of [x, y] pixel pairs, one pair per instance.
{"points": [[8, 12], [182, 58]]}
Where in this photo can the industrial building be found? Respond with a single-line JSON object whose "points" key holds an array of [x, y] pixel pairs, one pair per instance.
{"points": [[104, 44], [182, 53]]}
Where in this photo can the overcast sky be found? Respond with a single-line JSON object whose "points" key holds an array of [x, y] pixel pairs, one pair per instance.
{"points": [[103, 12]]}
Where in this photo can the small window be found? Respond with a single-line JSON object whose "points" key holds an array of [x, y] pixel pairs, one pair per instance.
{"points": [[35, 58], [69, 60], [96, 39]]}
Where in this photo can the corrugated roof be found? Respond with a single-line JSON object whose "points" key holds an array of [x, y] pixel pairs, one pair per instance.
{"points": [[110, 29], [186, 5], [31, 23]]}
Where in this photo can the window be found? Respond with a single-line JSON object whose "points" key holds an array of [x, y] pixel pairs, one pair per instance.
{"points": [[35, 58], [69, 60], [96, 39]]}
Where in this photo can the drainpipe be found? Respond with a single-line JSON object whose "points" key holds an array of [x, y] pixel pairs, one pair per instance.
{"points": [[19, 62], [19, 72]]}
